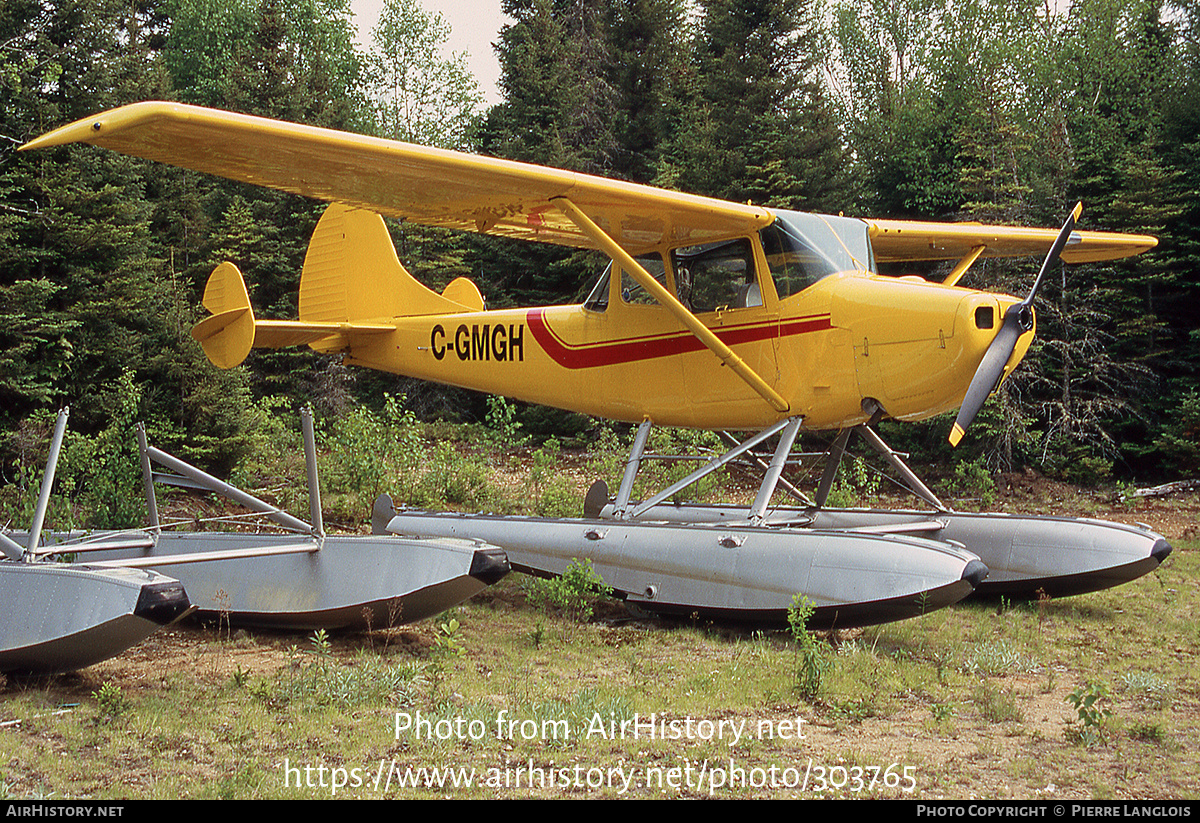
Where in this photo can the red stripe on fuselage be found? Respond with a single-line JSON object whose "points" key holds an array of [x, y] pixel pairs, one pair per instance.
{"points": [[589, 355]]}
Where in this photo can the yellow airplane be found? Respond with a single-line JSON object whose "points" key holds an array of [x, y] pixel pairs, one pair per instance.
{"points": [[711, 315]]}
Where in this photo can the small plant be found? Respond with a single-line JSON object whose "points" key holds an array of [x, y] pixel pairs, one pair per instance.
{"points": [[1148, 688], [448, 641], [447, 645], [1043, 604], [320, 643], [812, 660], [1126, 495], [573, 593], [502, 420], [322, 649], [239, 678], [943, 661], [1149, 732], [111, 702], [942, 711], [994, 658], [1087, 701], [1051, 679], [224, 612], [996, 705], [261, 690]]}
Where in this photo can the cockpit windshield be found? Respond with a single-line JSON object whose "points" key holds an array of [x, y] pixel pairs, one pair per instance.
{"points": [[802, 248]]}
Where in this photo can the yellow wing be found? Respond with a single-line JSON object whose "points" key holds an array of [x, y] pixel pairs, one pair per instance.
{"points": [[436, 187], [432, 187], [900, 240]]}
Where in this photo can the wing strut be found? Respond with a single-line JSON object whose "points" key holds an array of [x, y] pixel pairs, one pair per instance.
{"points": [[693, 324], [964, 264]]}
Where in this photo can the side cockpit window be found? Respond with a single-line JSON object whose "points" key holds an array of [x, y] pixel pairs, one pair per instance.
{"points": [[716, 276], [597, 300]]}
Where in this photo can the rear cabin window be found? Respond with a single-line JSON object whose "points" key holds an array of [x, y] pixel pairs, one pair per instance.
{"points": [[632, 292]]}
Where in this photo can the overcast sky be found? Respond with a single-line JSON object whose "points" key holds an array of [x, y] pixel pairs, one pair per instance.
{"points": [[474, 25]]}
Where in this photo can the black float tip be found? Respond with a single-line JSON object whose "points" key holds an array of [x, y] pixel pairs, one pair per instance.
{"points": [[975, 572], [489, 565]]}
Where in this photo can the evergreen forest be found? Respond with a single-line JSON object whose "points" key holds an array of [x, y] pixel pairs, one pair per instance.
{"points": [[984, 110]]}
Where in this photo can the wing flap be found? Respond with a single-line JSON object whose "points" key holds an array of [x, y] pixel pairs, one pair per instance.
{"points": [[433, 187], [900, 240]]}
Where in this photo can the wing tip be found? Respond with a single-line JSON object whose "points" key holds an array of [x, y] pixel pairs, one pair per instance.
{"points": [[97, 126]]}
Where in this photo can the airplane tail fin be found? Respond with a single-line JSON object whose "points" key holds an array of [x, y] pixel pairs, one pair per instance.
{"points": [[351, 273], [352, 285]]}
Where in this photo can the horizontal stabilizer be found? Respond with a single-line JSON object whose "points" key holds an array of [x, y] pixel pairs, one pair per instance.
{"points": [[323, 337], [229, 334]]}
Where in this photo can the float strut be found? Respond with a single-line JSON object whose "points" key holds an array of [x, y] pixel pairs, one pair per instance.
{"points": [[147, 477], [832, 461], [43, 503], [914, 483], [774, 470], [314, 483], [631, 469]]}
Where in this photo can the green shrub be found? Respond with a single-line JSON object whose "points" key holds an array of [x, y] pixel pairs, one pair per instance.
{"points": [[973, 479], [573, 593], [812, 657], [1087, 700]]}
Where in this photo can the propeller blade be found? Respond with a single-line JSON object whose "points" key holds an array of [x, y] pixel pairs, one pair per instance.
{"points": [[1060, 243], [1017, 321], [991, 369]]}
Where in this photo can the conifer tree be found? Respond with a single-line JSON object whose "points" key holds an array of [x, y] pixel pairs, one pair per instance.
{"points": [[760, 127]]}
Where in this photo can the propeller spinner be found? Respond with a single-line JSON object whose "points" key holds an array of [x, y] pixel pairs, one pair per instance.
{"points": [[1018, 320]]}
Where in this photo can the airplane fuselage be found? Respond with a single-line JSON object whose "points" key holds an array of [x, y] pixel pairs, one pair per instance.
{"points": [[910, 345]]}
